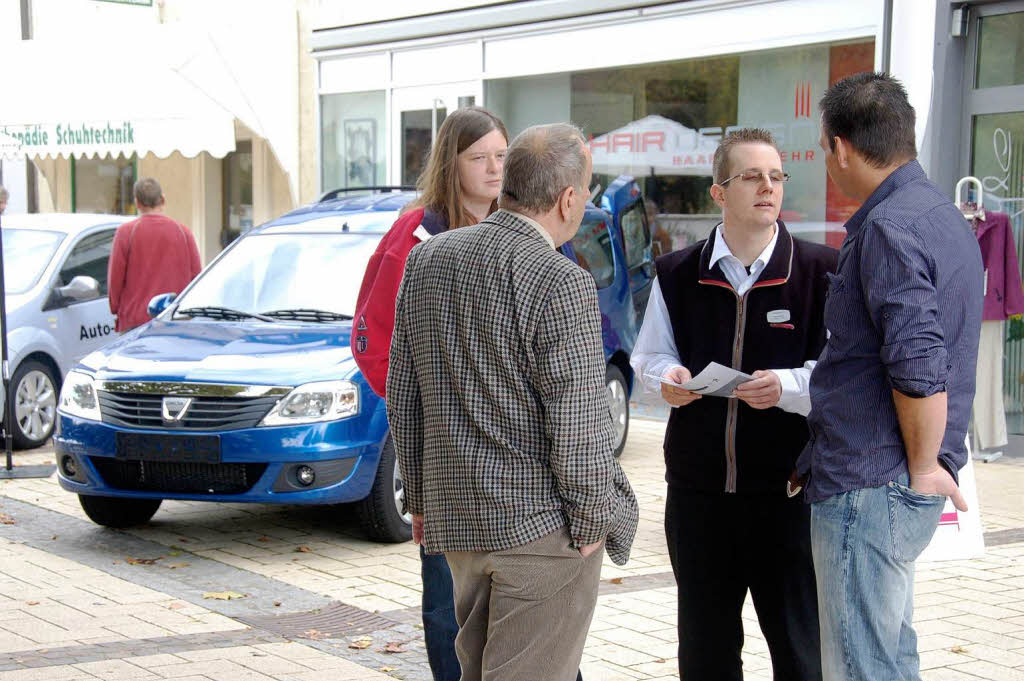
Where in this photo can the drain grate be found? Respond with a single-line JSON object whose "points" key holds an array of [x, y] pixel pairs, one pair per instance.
{"points": [[334, 620]]}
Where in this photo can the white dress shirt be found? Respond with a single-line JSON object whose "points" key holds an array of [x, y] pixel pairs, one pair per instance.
{"points": [[536, 225], [655, 350]]}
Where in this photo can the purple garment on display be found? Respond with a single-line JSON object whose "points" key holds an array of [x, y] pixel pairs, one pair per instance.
{"points": [[1003, 295]]}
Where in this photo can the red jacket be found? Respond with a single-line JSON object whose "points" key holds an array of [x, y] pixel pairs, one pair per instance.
{"points": [[375, 308], [151, 255]]}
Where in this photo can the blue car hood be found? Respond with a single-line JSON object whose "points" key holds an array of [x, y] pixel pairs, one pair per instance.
{"points": [[254, 353]]}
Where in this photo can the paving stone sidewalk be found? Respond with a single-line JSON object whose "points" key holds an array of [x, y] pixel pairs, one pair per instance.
{"points": [[82, 602]]}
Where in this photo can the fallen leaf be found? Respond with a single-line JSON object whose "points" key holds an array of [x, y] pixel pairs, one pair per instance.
{"points": [[175, 566], [183, 540], [223, 595], [616, 580], [303, 549], [33, 602], [277, 604], [6, 519], [141, 561], [660, 661], [176, 605], [361, 643], [314, 635], [53, 537], [174, 554], [394, 647], [959, 650], [263, 539], [387, 669]]}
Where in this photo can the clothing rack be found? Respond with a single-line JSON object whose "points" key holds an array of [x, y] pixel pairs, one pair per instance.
{"points": [[972, 210]]}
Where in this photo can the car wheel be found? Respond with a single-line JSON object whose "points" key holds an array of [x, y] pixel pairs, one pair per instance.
{"points": [[381, 512], [618, 405], [117, 512], [33, 395]]}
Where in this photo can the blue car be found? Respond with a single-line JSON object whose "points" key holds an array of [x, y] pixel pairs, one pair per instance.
{"points": [[243, 388]]}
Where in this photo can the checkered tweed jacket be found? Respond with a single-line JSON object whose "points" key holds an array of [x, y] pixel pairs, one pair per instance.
{"points": [[496, 395]]}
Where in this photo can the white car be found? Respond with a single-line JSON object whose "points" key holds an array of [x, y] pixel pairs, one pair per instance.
{"points": [[55, 271]]}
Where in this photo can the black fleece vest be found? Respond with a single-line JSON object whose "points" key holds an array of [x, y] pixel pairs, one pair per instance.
{"points": [[716, 444]]}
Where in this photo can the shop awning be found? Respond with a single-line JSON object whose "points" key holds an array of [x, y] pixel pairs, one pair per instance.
{"points": [[159, 90], [110, 99], [653, 145]]}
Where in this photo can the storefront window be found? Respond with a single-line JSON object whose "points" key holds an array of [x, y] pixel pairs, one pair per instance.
{"points": [[1001, 51], [418, 129], [103, 185], [352, 141], [998, 158], [237, 202], [661, 122]]}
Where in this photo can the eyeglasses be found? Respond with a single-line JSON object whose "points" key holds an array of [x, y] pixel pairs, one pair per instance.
{"points": [[752, 176]]}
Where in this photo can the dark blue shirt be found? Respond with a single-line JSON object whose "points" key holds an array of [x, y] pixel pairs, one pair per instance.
{"points": [[903, 312]]}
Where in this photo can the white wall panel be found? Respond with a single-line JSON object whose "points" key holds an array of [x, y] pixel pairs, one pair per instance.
{"points": [[461, 61], [663, 37], [354, 74]]}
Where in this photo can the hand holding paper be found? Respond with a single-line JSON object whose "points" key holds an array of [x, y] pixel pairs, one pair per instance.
{"points": [[672, 390], [716, 380], [763, 392]]}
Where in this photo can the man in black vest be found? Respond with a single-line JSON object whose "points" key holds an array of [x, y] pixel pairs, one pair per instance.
{"points": [[750, 297]]}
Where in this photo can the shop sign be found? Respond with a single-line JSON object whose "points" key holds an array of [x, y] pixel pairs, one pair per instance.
{"points": [[69, 138]]}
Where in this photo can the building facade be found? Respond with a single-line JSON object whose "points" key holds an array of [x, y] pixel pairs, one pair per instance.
{"points": [[660, 82]]}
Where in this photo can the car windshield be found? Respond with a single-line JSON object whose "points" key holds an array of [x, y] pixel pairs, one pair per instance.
{"points": [[26, 254], [282, 272]]}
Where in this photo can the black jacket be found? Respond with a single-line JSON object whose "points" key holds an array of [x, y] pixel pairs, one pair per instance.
{"points": [[716, 444]]}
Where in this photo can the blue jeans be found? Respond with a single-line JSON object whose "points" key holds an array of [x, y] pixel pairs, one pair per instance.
{"points": [[864, 544], [439, 625]]}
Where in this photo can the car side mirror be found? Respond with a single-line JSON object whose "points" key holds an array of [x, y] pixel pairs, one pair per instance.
{"points": [[80, 288], [158, 304]]}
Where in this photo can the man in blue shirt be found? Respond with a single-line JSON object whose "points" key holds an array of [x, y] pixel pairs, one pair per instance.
{"points": [[891, 394]]}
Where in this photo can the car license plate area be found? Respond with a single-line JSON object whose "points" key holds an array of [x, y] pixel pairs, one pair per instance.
{"points": [[175, 448]]}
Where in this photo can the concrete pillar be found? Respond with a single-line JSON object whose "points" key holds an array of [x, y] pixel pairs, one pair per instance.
{"points": [[262, 182]]}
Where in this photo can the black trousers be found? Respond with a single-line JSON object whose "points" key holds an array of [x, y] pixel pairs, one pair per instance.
{"points": [[721, 545]]}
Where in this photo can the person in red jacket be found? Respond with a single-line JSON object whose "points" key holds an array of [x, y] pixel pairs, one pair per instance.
{"points": [[459, 187], [152, 254]]}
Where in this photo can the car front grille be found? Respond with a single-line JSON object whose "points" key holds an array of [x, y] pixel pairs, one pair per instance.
{"points": [[182, 478], [138, 410]]}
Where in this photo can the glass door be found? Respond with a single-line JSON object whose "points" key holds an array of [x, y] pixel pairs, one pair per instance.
{"points": [[994, 150], [416, 115]]}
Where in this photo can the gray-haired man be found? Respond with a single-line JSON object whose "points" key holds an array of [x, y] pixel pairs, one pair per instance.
{"points": [[509, 470]]}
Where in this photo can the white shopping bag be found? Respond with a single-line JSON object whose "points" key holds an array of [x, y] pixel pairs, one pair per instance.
{"points": [[959, 535]]}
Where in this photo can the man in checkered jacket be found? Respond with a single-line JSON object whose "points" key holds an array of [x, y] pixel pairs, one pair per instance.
{"points": [[496, 401]]}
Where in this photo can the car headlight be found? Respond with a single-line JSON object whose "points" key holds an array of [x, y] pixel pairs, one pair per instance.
{"points": [[314, 403], [78, 397]]}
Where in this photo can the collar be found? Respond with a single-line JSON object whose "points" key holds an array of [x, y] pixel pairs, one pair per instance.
{"points": [[991, 220], [911, 171], [431, 224], [722, 249], [521, 224], [776, 270], [536, 225]]}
